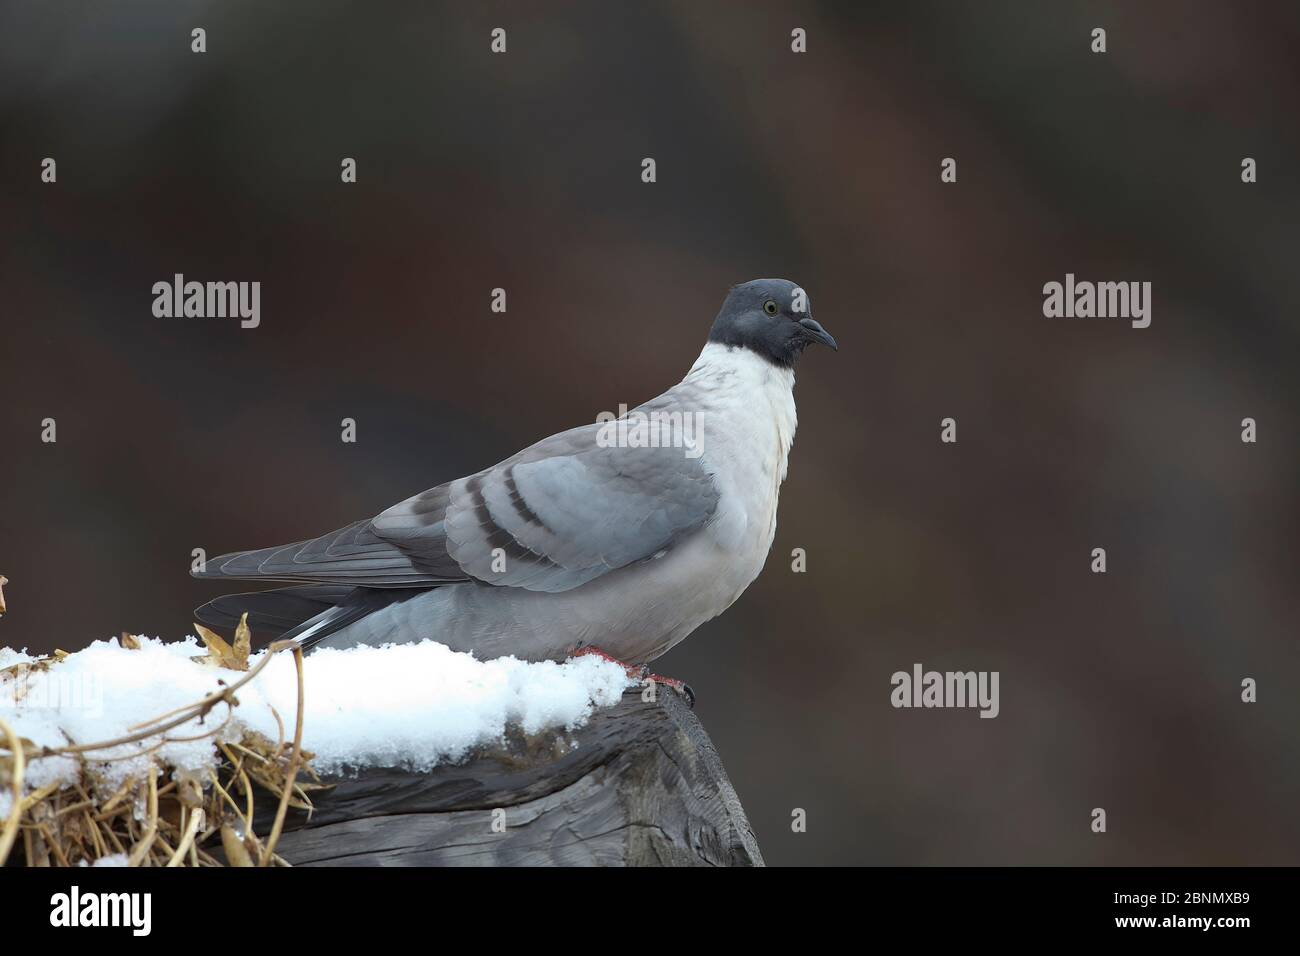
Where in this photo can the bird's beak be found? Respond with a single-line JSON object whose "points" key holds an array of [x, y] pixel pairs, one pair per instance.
{"points": [[819, 334]]}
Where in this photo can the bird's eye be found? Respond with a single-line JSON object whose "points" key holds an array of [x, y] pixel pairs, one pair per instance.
{"points": [[770, 307]]}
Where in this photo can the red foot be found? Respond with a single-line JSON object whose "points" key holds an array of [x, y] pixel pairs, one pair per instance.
{"points": [[640, 672]]}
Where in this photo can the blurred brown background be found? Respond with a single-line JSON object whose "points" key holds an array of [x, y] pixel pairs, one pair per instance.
{"points": [[523, 171]]}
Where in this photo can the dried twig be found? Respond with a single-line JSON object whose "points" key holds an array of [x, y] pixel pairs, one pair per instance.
{"points": [[269, 850], [187, 841], [151, 831], [10, 831]]}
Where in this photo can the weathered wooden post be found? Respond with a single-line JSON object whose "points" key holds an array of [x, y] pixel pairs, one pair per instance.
{"points": [[640, 784]]}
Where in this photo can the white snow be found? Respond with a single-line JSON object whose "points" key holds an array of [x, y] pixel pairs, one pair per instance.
{"points": [[408, 705]]}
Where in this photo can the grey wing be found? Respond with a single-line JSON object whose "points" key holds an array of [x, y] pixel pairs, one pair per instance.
{"points": [[564, 511], [354, 555], [551, 518]]}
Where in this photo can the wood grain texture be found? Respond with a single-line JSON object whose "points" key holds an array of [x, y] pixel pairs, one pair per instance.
{"points": [[639, 785]]}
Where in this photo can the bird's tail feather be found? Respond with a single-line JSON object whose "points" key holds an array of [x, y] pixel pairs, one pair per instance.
{"points": [[272, 613], [306, 613]]}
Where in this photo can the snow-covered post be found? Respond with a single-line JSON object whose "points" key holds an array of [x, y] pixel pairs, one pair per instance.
{"points": [[138, 751], [640, 784]]}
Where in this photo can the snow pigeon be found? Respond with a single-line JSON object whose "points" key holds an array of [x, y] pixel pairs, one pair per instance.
{"points": [[618, 537]]}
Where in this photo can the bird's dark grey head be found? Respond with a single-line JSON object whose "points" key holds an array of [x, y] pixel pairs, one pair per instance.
{"points": [[772, 317]]}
